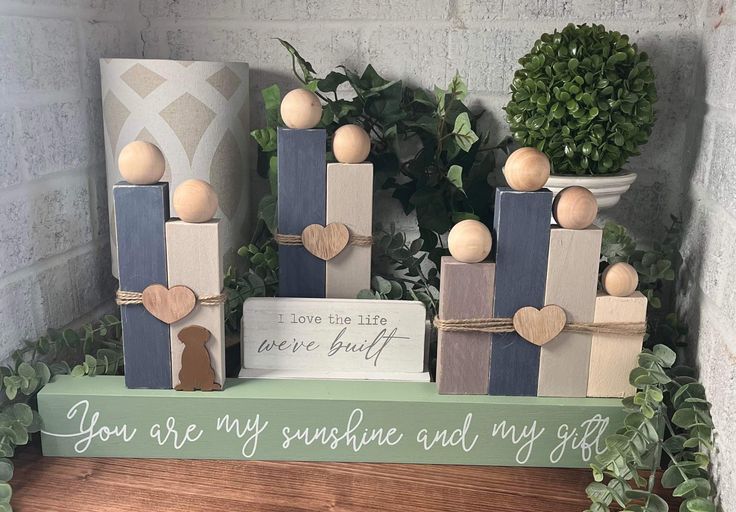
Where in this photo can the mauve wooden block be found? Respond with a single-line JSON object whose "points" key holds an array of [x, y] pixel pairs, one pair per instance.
{"points": [[141, 212], [302, 197], [463, 358], [521, 230]]}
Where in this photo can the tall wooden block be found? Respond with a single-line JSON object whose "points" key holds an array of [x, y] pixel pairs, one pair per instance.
{"points": [[463, 358], [302, 184], [350, 202], [572, 282], [194, 257], [141, 212], [521, 227], [612, 357]]}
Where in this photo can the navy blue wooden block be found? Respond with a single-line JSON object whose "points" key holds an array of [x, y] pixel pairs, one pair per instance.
{"points": [[521, 228], [141, 212], [302, 192]]}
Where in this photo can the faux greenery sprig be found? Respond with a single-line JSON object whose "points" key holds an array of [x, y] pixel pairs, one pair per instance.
{"points": [[93, 349], [668, 422], [585, 97]]}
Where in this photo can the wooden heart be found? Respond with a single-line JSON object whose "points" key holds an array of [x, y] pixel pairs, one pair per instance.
{"points": [[325, 242], [539, 326], [169, 304]]}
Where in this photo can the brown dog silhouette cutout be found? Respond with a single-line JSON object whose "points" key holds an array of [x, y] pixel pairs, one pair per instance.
{"points": [[196, 369]]}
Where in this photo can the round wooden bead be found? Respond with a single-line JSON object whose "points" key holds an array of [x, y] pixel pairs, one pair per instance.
{"points": [[526, 169], [620, 279], [575, 208], [195, 201], [141, 163], [301, 109], [469, 241], [351, 144]]}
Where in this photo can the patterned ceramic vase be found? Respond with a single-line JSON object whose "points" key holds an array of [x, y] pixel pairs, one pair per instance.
{"points": [[197, 113]]}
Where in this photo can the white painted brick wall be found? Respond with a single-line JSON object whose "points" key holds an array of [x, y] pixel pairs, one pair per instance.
{"points": [[54, 252], [709, 247]]}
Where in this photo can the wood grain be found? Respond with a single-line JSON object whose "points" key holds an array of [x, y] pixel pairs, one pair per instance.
{"points": [[195, 259], [141, 212], [350, 201], [612, 357], [463, 358], [325, 242], [168, 304], [539, 326], [302, 191], [521, 227], [572, 281], [132, 485]]}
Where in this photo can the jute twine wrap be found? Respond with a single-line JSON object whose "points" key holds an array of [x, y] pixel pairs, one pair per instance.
{"points": [[500, 325], [359, 240], [125, 298]]}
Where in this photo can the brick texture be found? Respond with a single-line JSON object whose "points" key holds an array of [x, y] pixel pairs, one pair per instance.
{"points": [[54, 255]]}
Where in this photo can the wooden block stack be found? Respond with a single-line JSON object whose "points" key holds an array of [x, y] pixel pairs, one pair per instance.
{"points": [[539, 300], [323, 209], [170, 277]]}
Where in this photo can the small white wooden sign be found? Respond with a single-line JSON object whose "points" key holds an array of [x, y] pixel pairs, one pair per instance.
{"points": [[333, 338]]}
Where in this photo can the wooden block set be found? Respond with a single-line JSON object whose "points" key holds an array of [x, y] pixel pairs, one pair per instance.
{"points": [[171, 300], [325, 210], [533, 323]]}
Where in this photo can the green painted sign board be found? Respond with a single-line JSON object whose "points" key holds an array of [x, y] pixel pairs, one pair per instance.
{"points": [[320, 420]]}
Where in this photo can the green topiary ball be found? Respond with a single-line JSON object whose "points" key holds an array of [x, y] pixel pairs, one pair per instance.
{"points": [[585, 97]]}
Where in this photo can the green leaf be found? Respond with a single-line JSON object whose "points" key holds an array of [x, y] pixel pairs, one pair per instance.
{"points": [[6, 492], [6, 470], [684, 418], [23, 413], [694, 487], [699, 505], [78, 371], [672, 477], [666, 354], [26, 371], [305, 67], [332, 81], [455, 176], [465, 137], [266, 138]]}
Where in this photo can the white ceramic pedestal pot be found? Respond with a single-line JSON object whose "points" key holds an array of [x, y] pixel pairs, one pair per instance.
{"points": [[606, 189]]}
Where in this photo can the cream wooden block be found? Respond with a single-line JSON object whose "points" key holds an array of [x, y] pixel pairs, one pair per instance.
{"points": [[194, 259], [350, 202], [612, 357], [572, 279]]}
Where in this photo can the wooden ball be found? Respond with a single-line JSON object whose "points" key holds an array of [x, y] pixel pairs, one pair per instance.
{"points": [[469, 241], [620, 279], [526, 169], [195, 201], [575, 208], [141, 163], [301, 109], [351, 144]]}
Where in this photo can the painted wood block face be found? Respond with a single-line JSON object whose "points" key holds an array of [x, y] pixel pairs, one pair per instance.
{"points": [[302, 185], [572, 281], [463, 358], [350, 201], [195, 260], [521, 228], [612, 357], [265, 419], [141, 212], [333, 338]]}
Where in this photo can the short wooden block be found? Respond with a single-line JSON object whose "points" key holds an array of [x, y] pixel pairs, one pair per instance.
{"points": [[195, 260], [612, 357], [350, 202], [141, 212], [463, 358], [302, 186], [349, 421], [333, 338], [521, 228], [572, 282]]}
